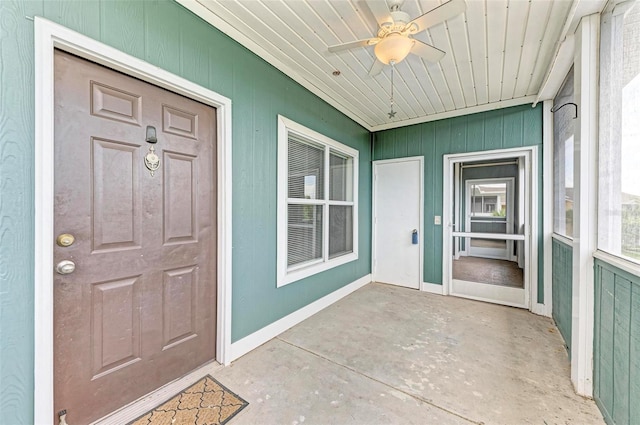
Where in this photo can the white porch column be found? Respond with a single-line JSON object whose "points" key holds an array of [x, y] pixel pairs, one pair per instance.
{"points": [[585, 205]]}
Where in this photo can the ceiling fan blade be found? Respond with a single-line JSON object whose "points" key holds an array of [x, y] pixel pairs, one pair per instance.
{"points": [[427, 51], [380, 11], [353, 44], [376, 68], [441, 13]]}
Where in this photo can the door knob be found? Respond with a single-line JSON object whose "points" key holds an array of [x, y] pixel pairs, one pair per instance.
{"points": [[65, 267], [65, 239]]}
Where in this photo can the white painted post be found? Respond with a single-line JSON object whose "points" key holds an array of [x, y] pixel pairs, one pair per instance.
{"points": [[585, 206]]}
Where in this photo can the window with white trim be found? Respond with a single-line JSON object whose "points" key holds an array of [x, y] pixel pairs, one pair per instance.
{"points": [[619, 138], [317, 202]]}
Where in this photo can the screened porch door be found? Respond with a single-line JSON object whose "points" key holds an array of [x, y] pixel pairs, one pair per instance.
{"points": [[488, 220]]}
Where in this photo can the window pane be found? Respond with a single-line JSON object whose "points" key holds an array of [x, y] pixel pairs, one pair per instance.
{"points": [[340, 230], [489, 200], [304, 234], [563, 122], [619, 149], [306, 169], [341, 177]]}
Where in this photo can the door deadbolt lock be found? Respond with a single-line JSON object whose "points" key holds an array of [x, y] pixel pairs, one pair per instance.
{"points": [[65, 267], [65, 239]]}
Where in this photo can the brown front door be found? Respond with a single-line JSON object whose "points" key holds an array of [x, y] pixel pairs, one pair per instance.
{"points": [[140, 308]]}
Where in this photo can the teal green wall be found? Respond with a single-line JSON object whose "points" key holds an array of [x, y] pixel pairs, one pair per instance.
{"points": [[616, 352], [562, 288], [504, 128], [167, 35]]}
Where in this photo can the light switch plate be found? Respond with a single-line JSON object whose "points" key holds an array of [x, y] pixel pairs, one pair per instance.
{"points": [[437, 220]]}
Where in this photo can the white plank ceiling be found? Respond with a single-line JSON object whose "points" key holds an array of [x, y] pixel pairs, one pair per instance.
{"points": [[497, 53]]}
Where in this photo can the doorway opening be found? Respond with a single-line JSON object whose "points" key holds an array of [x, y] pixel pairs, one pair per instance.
{"points": [[489, 212]]}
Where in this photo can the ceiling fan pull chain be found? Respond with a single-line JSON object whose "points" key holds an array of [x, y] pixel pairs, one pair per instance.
{"points": [[393, 67]]}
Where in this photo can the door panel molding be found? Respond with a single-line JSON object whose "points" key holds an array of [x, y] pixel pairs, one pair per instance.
{"points": [[50, 36]]}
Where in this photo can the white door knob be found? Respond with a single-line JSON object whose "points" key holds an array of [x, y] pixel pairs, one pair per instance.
{"points": [[65, 267]]}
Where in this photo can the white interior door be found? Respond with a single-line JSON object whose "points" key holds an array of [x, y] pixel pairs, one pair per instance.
{"points": [[397, 215]]}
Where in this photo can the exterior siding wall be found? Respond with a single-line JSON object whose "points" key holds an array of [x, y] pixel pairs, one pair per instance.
{"points": [[170, 37], [562, 283], [616, 353], [500, 129]]}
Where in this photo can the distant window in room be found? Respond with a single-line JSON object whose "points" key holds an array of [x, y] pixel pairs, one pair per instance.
{"points": [[563, 129], [619, 141], [488, 199], [317, 202]]}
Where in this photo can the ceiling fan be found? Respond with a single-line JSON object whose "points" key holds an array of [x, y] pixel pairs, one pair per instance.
{"points": [[394, 40]]}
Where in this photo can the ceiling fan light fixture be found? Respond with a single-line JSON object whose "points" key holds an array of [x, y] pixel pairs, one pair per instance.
{"points": [[394, 47]]}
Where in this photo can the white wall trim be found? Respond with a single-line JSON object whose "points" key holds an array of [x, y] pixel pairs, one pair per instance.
{"points": [[547, 210], [585, 204], [259, 337], [563, 239], [432, 288], [49, 36], [531, 204], [617, 262], [558, 69], [540, 309]]}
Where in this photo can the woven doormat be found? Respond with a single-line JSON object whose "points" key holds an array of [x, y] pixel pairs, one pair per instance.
{"points": [[207, 402]]}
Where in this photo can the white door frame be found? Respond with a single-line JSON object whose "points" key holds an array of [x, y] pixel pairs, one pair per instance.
{"points": [[530, 155], [509, 218], [50, 36], [420, 160]]}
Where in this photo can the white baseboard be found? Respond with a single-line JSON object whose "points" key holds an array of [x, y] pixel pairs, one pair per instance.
{"points": [[433, 288], [256, 339]]}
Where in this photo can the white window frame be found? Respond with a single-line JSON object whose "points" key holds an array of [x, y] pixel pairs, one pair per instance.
{"points": [[292, 274]]}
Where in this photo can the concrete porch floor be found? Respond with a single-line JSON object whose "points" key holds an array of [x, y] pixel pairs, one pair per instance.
{"points": [[390, 355]]}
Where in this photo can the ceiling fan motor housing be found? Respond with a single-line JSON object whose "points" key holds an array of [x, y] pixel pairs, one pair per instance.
{"points": [[400, 17]]}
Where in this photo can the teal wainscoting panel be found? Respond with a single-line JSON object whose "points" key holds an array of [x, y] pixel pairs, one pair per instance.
{"points": [[504, 128], [166, 35], [561, 285], [616, 351]]}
